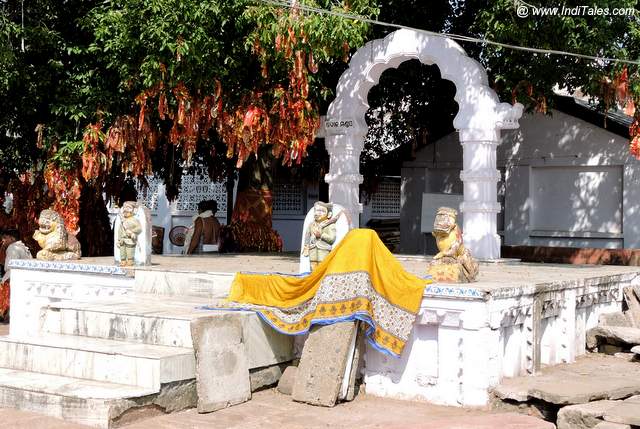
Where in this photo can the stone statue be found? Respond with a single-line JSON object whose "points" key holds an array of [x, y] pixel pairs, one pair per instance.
{"points": [[127, 233], [320, 234], [132, 235], [453, 262], [57, 244]]}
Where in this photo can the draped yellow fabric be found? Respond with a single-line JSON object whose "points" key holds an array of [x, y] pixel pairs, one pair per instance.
{"points": [[359, 280], [360, 250]]}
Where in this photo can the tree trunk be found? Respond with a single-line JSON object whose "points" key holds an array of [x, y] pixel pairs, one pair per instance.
{"points": [[96, 235], [250, 227]]}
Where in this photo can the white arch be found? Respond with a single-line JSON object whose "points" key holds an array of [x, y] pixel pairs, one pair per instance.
{"points": [[480, 118]]}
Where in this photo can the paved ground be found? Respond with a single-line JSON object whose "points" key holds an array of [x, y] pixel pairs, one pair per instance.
{"points": [[592, 377], [269, 409]]}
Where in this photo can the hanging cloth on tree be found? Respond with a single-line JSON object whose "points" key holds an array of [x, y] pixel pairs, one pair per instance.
{"points": [[359, 280]]}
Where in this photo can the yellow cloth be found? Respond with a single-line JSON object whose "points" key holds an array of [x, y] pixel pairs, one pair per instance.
{"points": [[359, 280]]}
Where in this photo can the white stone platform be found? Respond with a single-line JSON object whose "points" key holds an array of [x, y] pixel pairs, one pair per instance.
{"points": [[90, 341]]}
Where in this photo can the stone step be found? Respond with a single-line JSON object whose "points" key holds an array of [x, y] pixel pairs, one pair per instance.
{"points": [[139, 322], [141, 365], [88, 402], [161, 322]]}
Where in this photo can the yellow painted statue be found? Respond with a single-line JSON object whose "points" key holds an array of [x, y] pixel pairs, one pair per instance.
{"points": [[453, 263], [56, 242], [320, 235]]}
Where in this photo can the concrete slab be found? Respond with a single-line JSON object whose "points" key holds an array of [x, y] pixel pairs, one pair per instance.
{"points": [[618, 335], [591, 378], [583, 416], [222, 368], [323, 362], [285, 385], [615, 319], [625, 412], [610, 425]]}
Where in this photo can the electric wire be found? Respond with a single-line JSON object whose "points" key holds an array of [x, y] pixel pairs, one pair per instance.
{"points": [[298, 6]]}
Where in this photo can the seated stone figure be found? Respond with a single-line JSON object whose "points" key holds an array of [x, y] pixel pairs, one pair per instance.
{"points": [[324, 226], [57, 244], [453, 263]]}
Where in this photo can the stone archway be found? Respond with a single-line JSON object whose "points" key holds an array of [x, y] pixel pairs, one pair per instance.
{"points": [[480, 118]]}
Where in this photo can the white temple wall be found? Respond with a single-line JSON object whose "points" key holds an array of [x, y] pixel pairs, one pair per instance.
{"points": [[565, 182]]}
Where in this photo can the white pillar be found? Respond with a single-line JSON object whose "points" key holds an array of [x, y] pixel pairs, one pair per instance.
{"points": [[344, 176], [480, 178], [163, 217]]}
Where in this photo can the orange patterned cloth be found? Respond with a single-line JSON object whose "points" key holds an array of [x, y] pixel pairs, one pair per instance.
{"points": [[4, 298]]}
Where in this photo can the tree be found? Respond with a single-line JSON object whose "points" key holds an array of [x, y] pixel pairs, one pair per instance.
{"points": [[155, 86]]}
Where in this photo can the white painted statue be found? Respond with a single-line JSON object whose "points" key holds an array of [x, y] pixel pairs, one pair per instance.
{"points": [[325, 226], [132, 235]]}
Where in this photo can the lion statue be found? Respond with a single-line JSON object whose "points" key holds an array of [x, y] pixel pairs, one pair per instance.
{"points": [[453, 263], [57, 244]]}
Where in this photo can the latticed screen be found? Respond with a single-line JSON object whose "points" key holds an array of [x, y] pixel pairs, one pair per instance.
{"points": [[385, 202], [288, 198], [149, 196], [195, 189]]}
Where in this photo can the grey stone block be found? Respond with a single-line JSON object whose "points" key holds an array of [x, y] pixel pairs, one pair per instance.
{"points": [[266, 376], [323, 362], [583, 416], [614, 319], [285, 385], [616, 335], [625, 412], [610, 425], [222, 368]]}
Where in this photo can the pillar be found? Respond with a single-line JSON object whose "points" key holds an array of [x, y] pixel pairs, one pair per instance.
{"points": [[480, 177], [344, 176]]}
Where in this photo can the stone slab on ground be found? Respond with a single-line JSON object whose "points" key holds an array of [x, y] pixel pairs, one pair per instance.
{"points": [[592, 377], [610, 425], [612, 335], [285, 385], [493, 421], [266, 376], [625, 412], [322, 364], [222, 368], [583, 416], [615, 319], [633, 303], [636, 350]]}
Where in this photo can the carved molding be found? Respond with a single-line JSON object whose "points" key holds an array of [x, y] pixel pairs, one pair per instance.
{"points": [[598, 297], [448, 318], [480, 175], [71, 291], [343, 178]]}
